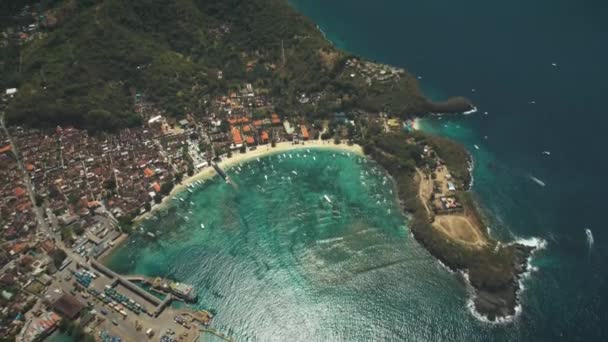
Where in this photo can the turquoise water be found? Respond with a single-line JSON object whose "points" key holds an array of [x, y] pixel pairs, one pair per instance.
{"points": [[501, 55], [277, 261]]}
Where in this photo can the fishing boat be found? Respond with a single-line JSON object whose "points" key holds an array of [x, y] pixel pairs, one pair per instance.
{"points": [[202, 226], [476, 147], [327, 198], [547, 153]]}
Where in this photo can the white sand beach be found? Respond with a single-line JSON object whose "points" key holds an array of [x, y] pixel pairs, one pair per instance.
{"points": [[237, 158]]}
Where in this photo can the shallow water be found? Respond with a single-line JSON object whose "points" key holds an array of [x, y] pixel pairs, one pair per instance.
{"points": [[278, 261]]}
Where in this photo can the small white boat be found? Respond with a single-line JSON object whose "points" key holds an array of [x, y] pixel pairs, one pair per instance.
{"points": [[314, 158], [547, 153], [537, 181], [294, 172], [554, 64], [476, 147], [181, 199], [202, 226], [589, 237], [327, 198], [266, 177]]}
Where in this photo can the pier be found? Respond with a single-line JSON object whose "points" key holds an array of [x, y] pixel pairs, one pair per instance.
{"points": [[118, 279], [223, 174], [220, 171]]}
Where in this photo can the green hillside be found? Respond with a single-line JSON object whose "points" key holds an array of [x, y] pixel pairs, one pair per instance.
{"points": [[86, 68]]}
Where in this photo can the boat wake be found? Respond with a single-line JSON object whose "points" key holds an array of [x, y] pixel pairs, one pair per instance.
{"points": [[589, 237], [537, 181], [471, 111]]}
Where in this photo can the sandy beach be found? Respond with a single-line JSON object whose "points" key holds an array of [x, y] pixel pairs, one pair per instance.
{"points": [[238, 158]]}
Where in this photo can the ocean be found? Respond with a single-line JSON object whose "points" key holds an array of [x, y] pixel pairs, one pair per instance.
{"points": [[538, 70], [278, 261]]}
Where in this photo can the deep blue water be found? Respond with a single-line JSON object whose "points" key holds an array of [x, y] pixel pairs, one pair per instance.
{"points": [[500, 55]]}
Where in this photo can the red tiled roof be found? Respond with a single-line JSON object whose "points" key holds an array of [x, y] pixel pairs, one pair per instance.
{"points": [[236, 136], [250, 140], [156, 187], [247, 128], [148, 172], [5, 148], [264, 136], [19, 191], [304, 131], [275, 119]]}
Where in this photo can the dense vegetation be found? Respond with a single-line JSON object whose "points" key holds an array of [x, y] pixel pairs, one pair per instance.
{"points": [[86, 68], [492, 271]]}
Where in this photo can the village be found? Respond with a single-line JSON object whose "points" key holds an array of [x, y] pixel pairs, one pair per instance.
{"points": [[68, 197]]}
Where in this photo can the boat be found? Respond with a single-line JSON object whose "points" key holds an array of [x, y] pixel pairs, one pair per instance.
{"points": [[589, 236], [266, 177], [476, 147], [537, 181], [150, 234], [202, 226], [294, 172], [327, 198], [547, 153]]}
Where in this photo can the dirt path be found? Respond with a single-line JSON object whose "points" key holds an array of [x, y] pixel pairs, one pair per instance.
{"points": [[460, 228], [425, 189]]}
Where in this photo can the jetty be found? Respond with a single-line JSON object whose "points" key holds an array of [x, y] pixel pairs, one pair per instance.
{"points": [[118, 279], [223, 174], [220, 172]]}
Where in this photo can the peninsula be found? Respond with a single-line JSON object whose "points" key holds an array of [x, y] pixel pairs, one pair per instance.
{"points": [[110, 105]]}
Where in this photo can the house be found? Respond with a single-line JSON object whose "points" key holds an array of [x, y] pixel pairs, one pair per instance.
{"points": [[275, 119], [340, 118], [183, 123], [288, 127], [236, 136], [264, 137], [304, 132], [68, 306]]}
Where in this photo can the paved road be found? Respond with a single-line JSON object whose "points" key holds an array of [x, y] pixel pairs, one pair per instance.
{"points": [[28, 184]]}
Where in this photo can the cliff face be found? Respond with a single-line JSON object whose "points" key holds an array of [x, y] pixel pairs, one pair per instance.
{"points": [[452, 105]]}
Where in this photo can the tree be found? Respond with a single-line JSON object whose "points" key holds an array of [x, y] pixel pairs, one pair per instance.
{"points": [[58, 255], [166, 188], [39, 200], [243, 149]]}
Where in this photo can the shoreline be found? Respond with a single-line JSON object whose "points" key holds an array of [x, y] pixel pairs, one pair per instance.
{"points": [[260, 152]]}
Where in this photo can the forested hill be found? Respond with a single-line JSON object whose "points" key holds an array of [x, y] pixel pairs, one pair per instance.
{"points": [[92, 58]]}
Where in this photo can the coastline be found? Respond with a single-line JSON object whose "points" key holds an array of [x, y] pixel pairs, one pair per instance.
{"points": [[259, 152]]}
